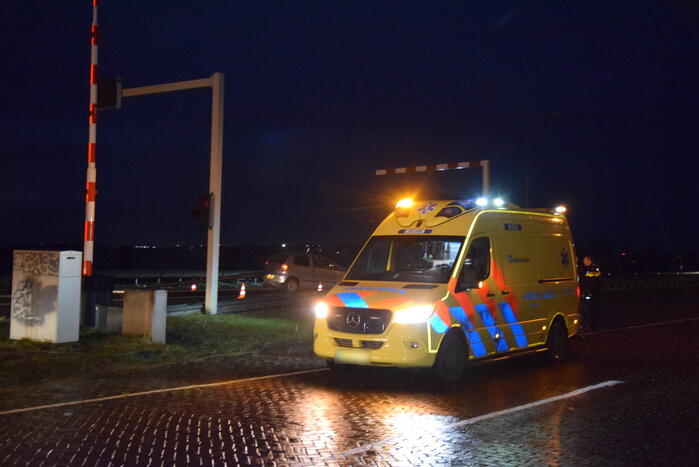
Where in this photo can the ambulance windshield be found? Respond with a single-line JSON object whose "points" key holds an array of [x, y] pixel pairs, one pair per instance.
{"points": [[407, 258]]}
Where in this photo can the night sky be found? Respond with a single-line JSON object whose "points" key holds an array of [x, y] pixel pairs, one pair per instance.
{"points": [[320, 94]]}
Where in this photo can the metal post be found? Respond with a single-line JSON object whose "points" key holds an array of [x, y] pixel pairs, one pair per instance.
{"points": [[486, 177], [91, 183], [211, 299], [528, 162]]}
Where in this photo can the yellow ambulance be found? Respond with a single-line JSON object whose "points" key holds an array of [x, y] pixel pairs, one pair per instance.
{"points": [[440, 283]]}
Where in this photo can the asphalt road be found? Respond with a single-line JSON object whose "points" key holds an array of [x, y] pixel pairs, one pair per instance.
{"points": [[627, 396]]}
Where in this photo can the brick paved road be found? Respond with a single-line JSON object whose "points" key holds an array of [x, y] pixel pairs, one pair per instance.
{"points": [[399, 417]]}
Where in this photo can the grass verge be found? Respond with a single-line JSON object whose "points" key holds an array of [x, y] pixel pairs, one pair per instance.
{"points": [[189, 339]]}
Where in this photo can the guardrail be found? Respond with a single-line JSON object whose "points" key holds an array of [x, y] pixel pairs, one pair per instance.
{"points": [[659, 282], [165, 279], [264, 302]]}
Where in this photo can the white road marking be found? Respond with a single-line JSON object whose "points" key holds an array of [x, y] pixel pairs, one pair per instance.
{"points": [[256, 378], [158, 391], [490, 415]]}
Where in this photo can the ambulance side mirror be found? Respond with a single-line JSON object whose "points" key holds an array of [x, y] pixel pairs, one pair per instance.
{"points": [[468, 279]]}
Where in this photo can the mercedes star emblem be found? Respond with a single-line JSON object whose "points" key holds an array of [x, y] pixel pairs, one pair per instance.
{"points": [[353, 319]]}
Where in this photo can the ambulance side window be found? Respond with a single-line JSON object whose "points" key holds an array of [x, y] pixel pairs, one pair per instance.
{"points": [[476, 265]]}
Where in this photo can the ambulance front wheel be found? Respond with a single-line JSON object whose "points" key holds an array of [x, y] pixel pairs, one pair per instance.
{"points": [[557, 342], [452, 358]]}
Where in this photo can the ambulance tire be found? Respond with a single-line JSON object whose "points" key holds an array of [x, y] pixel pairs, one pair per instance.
{"points": [[452, 358], [557, 342], [291, 285]]}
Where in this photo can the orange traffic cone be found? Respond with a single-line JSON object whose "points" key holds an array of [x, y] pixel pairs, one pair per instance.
{"points": [[242, 291], [320, 287]]}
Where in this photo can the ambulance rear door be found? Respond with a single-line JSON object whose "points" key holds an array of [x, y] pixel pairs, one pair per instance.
{"points": [[557, 274]]}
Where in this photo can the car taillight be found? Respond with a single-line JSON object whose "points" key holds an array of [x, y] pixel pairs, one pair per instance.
{"points": [[266, 263], [285, 267]]}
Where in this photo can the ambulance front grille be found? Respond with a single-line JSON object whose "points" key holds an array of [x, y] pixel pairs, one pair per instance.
{"points": [[343, 342], [359, 320], [374, 345]]}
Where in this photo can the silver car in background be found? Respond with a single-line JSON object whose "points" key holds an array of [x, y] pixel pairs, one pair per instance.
{"points": [[295, 271]]}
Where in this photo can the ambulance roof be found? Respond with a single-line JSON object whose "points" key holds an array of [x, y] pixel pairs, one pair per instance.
{"points": [[451, 217]]}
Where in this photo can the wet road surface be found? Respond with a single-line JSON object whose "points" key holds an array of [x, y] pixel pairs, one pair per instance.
{"points": [[394, 417]]}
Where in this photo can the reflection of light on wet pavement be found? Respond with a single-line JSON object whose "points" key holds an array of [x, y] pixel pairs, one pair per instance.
{"points": [[334, 421], [414, 432], [317, 420], [419, 438], [410, 425], [554, 447], [407, 431]]}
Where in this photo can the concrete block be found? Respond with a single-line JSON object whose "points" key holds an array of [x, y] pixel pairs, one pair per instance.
{"points": [[159, 316], [144, 314]]}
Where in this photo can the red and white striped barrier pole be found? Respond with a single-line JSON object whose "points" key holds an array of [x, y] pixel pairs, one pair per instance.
{"points": [[446, 166], [90, 187]]}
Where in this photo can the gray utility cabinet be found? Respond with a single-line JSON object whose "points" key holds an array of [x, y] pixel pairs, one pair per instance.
{"points": [[46, 295]]}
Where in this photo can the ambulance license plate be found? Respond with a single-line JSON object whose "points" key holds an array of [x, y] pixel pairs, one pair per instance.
{"points": [[355, 357]]}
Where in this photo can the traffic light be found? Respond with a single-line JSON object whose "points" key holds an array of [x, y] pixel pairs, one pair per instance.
{"points": [[202, 213], [109, 93]]}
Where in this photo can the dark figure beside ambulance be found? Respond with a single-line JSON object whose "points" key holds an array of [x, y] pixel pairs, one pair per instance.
{"points": [[589, 285]]}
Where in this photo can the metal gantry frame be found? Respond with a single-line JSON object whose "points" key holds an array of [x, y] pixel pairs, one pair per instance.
{"points": [[216, 83]]}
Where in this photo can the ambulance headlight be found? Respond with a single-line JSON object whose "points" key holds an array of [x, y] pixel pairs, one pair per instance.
{"points": [[413, 314], [481, 202], [560, 209], [321, 310], [499, 202]]}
